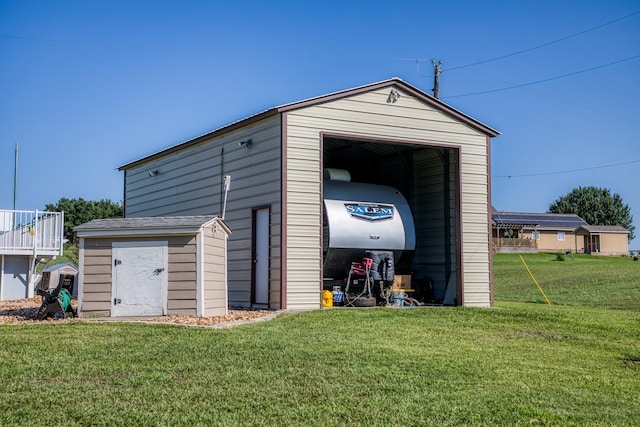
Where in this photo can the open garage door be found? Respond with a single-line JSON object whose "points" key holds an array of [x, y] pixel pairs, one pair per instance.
{"points": [[428, 178]]}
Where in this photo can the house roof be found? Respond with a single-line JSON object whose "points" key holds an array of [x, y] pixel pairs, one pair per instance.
{"points": [[537, 220], [393, 82], [604, 229], [147, 225]]}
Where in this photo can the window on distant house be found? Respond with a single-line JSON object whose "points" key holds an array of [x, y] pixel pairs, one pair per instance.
{"points": [[561, 236], [535, 235]]}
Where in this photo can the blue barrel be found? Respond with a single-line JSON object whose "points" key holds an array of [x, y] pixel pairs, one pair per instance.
{"points": [[338, 296]]}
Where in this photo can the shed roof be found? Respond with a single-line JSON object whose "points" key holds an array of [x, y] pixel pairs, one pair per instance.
{"points": [[392, 82], [148, 225], [538, 220], [61, 266]]}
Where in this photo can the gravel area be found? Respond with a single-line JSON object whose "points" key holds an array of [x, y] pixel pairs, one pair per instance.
{"points": [[24, 311]]}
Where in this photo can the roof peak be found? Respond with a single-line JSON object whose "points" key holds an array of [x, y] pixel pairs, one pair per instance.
{"points": [[394, 81]]}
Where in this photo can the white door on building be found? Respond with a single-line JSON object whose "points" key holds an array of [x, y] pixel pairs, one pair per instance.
{"points": [[139, 279], [261, 257]]}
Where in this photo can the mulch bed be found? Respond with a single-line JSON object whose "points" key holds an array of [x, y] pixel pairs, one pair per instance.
{"points": [[24, 311]]}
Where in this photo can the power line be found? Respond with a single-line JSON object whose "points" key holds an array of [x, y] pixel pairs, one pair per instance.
{"points": [[628, 119], [546, 80], [589, 136], [542, 45], [566, 171]]}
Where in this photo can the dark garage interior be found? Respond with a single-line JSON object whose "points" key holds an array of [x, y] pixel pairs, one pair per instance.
{"points": [[428, 178]]}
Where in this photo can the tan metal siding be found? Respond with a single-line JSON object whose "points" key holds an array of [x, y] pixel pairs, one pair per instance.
{"points": [[369, 114], [189, 182], [96, 277], [214, 270], [476, 258], [182, 268], [193, 176]]}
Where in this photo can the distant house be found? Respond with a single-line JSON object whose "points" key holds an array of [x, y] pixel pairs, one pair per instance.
{"points": [[550, 232]]}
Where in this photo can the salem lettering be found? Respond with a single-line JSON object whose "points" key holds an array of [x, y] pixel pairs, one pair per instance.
{"points": [[370, 211]]}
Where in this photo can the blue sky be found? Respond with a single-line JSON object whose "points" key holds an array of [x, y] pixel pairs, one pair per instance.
{"points": [[87, 86]]}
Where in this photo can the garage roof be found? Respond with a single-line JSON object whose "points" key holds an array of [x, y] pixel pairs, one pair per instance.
{"points": [[393, 82]]}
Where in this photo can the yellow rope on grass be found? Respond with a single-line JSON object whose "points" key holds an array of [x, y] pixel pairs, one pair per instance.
{"points": [[534, 280]]}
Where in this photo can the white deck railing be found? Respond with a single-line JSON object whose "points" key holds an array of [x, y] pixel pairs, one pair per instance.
{"points": [[31, 232]]}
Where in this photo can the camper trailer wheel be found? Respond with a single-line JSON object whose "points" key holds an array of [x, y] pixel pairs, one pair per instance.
{"points": [[363, 301]]}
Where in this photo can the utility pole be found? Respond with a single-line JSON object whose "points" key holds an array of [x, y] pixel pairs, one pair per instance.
{"points": [[437, 68], [15, 179]]}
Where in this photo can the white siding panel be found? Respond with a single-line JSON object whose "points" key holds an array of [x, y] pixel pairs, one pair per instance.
{"points": [[476, 169], [474, 151], [476, 198], [375, 102]]}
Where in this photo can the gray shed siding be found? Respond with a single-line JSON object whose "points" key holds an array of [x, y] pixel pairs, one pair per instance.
{"points": [[189, 182], [369, 115]]}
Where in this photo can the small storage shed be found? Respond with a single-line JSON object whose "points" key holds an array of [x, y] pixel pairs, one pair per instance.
{"points": [[153, 266], [66, 271], [387, 133]]}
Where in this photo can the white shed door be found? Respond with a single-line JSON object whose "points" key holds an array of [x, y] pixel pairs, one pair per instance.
{"points": [[139, 279]]}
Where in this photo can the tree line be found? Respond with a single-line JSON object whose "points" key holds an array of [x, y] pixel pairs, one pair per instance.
{"points": [[79, 211]]}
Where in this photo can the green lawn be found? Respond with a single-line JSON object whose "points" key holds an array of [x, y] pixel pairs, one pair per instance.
{"points": [[521, 363], [581, 280]]}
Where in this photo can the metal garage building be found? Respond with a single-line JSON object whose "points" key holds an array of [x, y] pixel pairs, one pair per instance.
{"points": [[388, 133]]}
